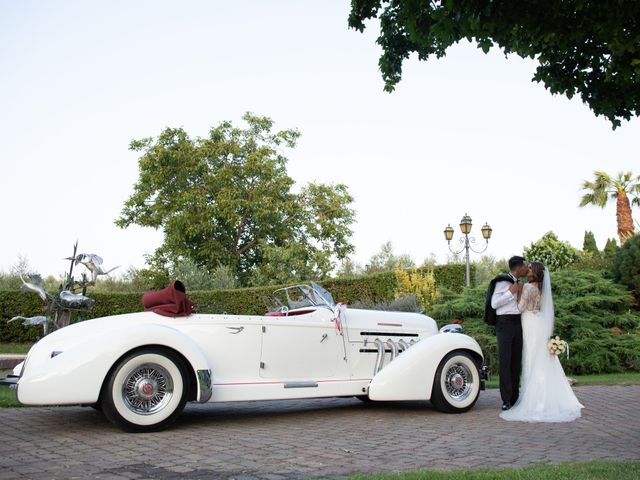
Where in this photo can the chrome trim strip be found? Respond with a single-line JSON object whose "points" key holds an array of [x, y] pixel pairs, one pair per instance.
{"points": [[388, 334], [301, 385], [205, 387]]}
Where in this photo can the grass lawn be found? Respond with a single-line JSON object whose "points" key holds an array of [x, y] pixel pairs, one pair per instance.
{"points": [[15, 347], [8, 397], [627, 378], [569, 471]]}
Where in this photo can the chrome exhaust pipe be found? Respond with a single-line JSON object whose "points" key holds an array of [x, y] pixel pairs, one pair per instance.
{"points": [[380, 356], [402, 344], [394, 349]]}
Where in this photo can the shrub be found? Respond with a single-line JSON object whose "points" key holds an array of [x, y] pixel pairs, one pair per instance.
{"points": [[406, 303], [594, 262], [554, 253], [592, 313], [453, 276], [421, 284], [9, 281]]}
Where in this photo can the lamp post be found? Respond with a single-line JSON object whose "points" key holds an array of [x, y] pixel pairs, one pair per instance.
{"points": [[466, 240]]}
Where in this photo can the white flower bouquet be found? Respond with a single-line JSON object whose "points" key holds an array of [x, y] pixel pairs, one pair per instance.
{"points": [[557, 346]]}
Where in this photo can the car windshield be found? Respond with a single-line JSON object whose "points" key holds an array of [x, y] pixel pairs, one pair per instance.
{"points": [[302, 296]]}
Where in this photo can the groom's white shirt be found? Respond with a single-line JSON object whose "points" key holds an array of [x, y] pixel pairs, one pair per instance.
{"points": [[503, 300]]}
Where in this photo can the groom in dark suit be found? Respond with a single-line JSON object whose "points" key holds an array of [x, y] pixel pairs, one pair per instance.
{"points": [[504, 300]]}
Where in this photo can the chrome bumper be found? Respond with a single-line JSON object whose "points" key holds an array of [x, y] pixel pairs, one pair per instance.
{"points": [[11, 381], [484, 375], [205, 386]]}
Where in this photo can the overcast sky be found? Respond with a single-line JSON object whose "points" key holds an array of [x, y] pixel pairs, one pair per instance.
{"points": [[469, 133]]}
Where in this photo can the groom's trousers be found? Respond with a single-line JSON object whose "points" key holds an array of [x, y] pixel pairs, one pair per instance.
{"points": [[509, 335]]}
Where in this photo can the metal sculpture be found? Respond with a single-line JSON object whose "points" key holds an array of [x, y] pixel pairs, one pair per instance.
{"points": [[93, 263], [58, 308]]}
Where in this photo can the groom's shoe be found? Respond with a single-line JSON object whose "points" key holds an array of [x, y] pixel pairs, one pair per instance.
{"points": [[506, 406]]}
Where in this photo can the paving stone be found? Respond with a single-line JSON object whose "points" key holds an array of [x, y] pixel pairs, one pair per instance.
{"points": [[324, 438]]}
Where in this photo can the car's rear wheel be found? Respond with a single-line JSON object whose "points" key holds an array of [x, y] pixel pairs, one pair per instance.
{"points": [[145, 391], [456, 386]]}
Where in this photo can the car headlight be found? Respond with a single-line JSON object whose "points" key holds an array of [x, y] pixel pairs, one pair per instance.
{"points": [[451, 328]]}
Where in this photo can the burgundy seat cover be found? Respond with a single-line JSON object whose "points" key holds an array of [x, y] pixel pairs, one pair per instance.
{"points": [[170, 302]]}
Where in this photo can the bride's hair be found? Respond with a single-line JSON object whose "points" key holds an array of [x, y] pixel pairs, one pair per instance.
{"points": [[537, 269]]}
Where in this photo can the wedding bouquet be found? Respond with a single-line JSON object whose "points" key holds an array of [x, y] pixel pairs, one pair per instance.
{"points": [[557, 346]]}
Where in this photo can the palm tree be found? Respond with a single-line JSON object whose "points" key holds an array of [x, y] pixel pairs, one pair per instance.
{"points": [[620, 188]]}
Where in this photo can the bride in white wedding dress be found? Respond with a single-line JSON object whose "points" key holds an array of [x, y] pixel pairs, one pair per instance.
{"points": [[545, 393]]}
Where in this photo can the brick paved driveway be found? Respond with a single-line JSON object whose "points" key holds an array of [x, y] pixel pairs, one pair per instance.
{"points": [[312, 438]]}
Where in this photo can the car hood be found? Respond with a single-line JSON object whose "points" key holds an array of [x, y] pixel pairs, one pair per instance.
{"points": [[397, 322]]}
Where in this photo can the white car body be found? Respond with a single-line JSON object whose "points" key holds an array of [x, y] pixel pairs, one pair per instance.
{"points": [[317, 351]]}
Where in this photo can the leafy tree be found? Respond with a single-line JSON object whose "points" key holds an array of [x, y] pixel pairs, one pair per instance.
{"points": [[21, 267], [604, 187], [430, 260], [455, 258], [223, 278], [488, 267], [386, 260], [626, 266], [227, 200], [12, 281], [555, 254], [582, 47], [197, 278], [589, 244], [349, 268], [610, 249]]}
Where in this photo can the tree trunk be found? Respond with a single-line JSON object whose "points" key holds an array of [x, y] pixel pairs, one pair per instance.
{"points": [[624, 218]]}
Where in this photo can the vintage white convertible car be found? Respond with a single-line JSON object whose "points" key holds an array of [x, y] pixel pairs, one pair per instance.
{"points": [[141, 368]]}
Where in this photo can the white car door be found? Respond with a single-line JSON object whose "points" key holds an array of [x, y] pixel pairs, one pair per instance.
{"points": [[302, 347]]}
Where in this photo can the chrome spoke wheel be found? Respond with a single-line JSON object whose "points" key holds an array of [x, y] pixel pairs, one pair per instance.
{"points": [[147, 389], [458, 381]]}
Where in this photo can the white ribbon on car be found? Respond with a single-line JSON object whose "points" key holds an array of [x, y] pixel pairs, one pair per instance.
{"points": [[339, 312]]}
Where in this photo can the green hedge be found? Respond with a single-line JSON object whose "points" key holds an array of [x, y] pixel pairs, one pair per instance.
{"points": [[247, 301]]}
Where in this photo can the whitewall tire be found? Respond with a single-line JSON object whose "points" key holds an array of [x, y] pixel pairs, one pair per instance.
{"points": [[456, 386], [145, 391]]}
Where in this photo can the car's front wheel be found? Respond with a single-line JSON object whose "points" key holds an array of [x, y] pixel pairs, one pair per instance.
{"points": [[456, 386], [145, 391]]}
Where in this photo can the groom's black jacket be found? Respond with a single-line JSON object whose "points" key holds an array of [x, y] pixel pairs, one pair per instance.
{"points": [[489, 311]]}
